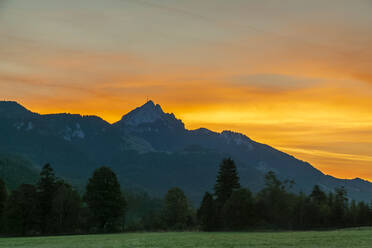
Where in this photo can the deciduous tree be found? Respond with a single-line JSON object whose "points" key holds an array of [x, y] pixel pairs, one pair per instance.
{"points": [[176, 209], [207, 213], [22, 211], [238, 211], [105, 199]]}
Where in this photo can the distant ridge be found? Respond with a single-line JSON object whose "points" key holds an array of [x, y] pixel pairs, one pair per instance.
{"points": [[153, 151]]}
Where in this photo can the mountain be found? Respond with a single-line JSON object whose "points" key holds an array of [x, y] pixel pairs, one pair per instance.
{"points": [[150, 113], [152, 150]]}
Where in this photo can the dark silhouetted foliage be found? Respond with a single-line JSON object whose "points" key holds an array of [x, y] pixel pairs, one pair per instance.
{"points": [[238, 211], [207, 213], [52, 206], [227, 181], [46, 189], [143, 212], [22, 211], [105, 200], [176, 212], [3, 199], [66, 209], [277, 207]]}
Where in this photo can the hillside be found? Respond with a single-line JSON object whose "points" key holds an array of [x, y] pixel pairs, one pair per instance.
{"points": [[15, 170], [152, 150]]}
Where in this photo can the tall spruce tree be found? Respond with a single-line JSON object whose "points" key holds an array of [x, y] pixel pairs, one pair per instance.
{"points": [[46, 188], [105, 199], [227, 181], [339, 207]]}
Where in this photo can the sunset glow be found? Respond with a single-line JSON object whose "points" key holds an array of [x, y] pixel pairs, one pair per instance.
{"points": [[285, 73]]}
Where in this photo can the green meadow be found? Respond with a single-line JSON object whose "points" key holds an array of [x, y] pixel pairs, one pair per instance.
{"points": [[339, 238]]}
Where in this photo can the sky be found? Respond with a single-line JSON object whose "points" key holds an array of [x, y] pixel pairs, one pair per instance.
{"points": [[294, 74]]}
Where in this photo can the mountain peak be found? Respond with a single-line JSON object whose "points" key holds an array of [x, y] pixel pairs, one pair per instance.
{"points": [[13, 109], [150, 106], [149, 113], [149, 103]]}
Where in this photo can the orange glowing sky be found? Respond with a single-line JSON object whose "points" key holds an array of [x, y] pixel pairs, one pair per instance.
{"points": [[294, 74]]}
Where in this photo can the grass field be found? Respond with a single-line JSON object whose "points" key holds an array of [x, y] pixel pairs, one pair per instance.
{"points": [[339, 239]]}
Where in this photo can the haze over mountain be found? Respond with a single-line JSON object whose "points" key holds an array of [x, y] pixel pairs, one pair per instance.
{"points": [[152, 150]]}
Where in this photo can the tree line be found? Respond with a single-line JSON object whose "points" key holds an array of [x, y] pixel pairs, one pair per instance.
{"points": [[52, 206], [232, 207]]}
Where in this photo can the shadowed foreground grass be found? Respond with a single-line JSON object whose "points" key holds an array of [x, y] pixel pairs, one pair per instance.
{"points": [[341, 238]]}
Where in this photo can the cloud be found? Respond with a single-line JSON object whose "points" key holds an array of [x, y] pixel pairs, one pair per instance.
{"points": [[3, 3], [274, 82], [290, 74]]}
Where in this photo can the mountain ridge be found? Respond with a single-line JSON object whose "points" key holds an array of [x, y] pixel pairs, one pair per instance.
{"points": [[149, 149]]}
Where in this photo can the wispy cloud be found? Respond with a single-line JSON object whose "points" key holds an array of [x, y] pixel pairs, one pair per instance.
{"points": [[292, 74]]}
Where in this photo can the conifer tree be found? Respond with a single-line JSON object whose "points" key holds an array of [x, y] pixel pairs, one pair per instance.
{"points": [[339, 207], [46, 188], [227, 181]]}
